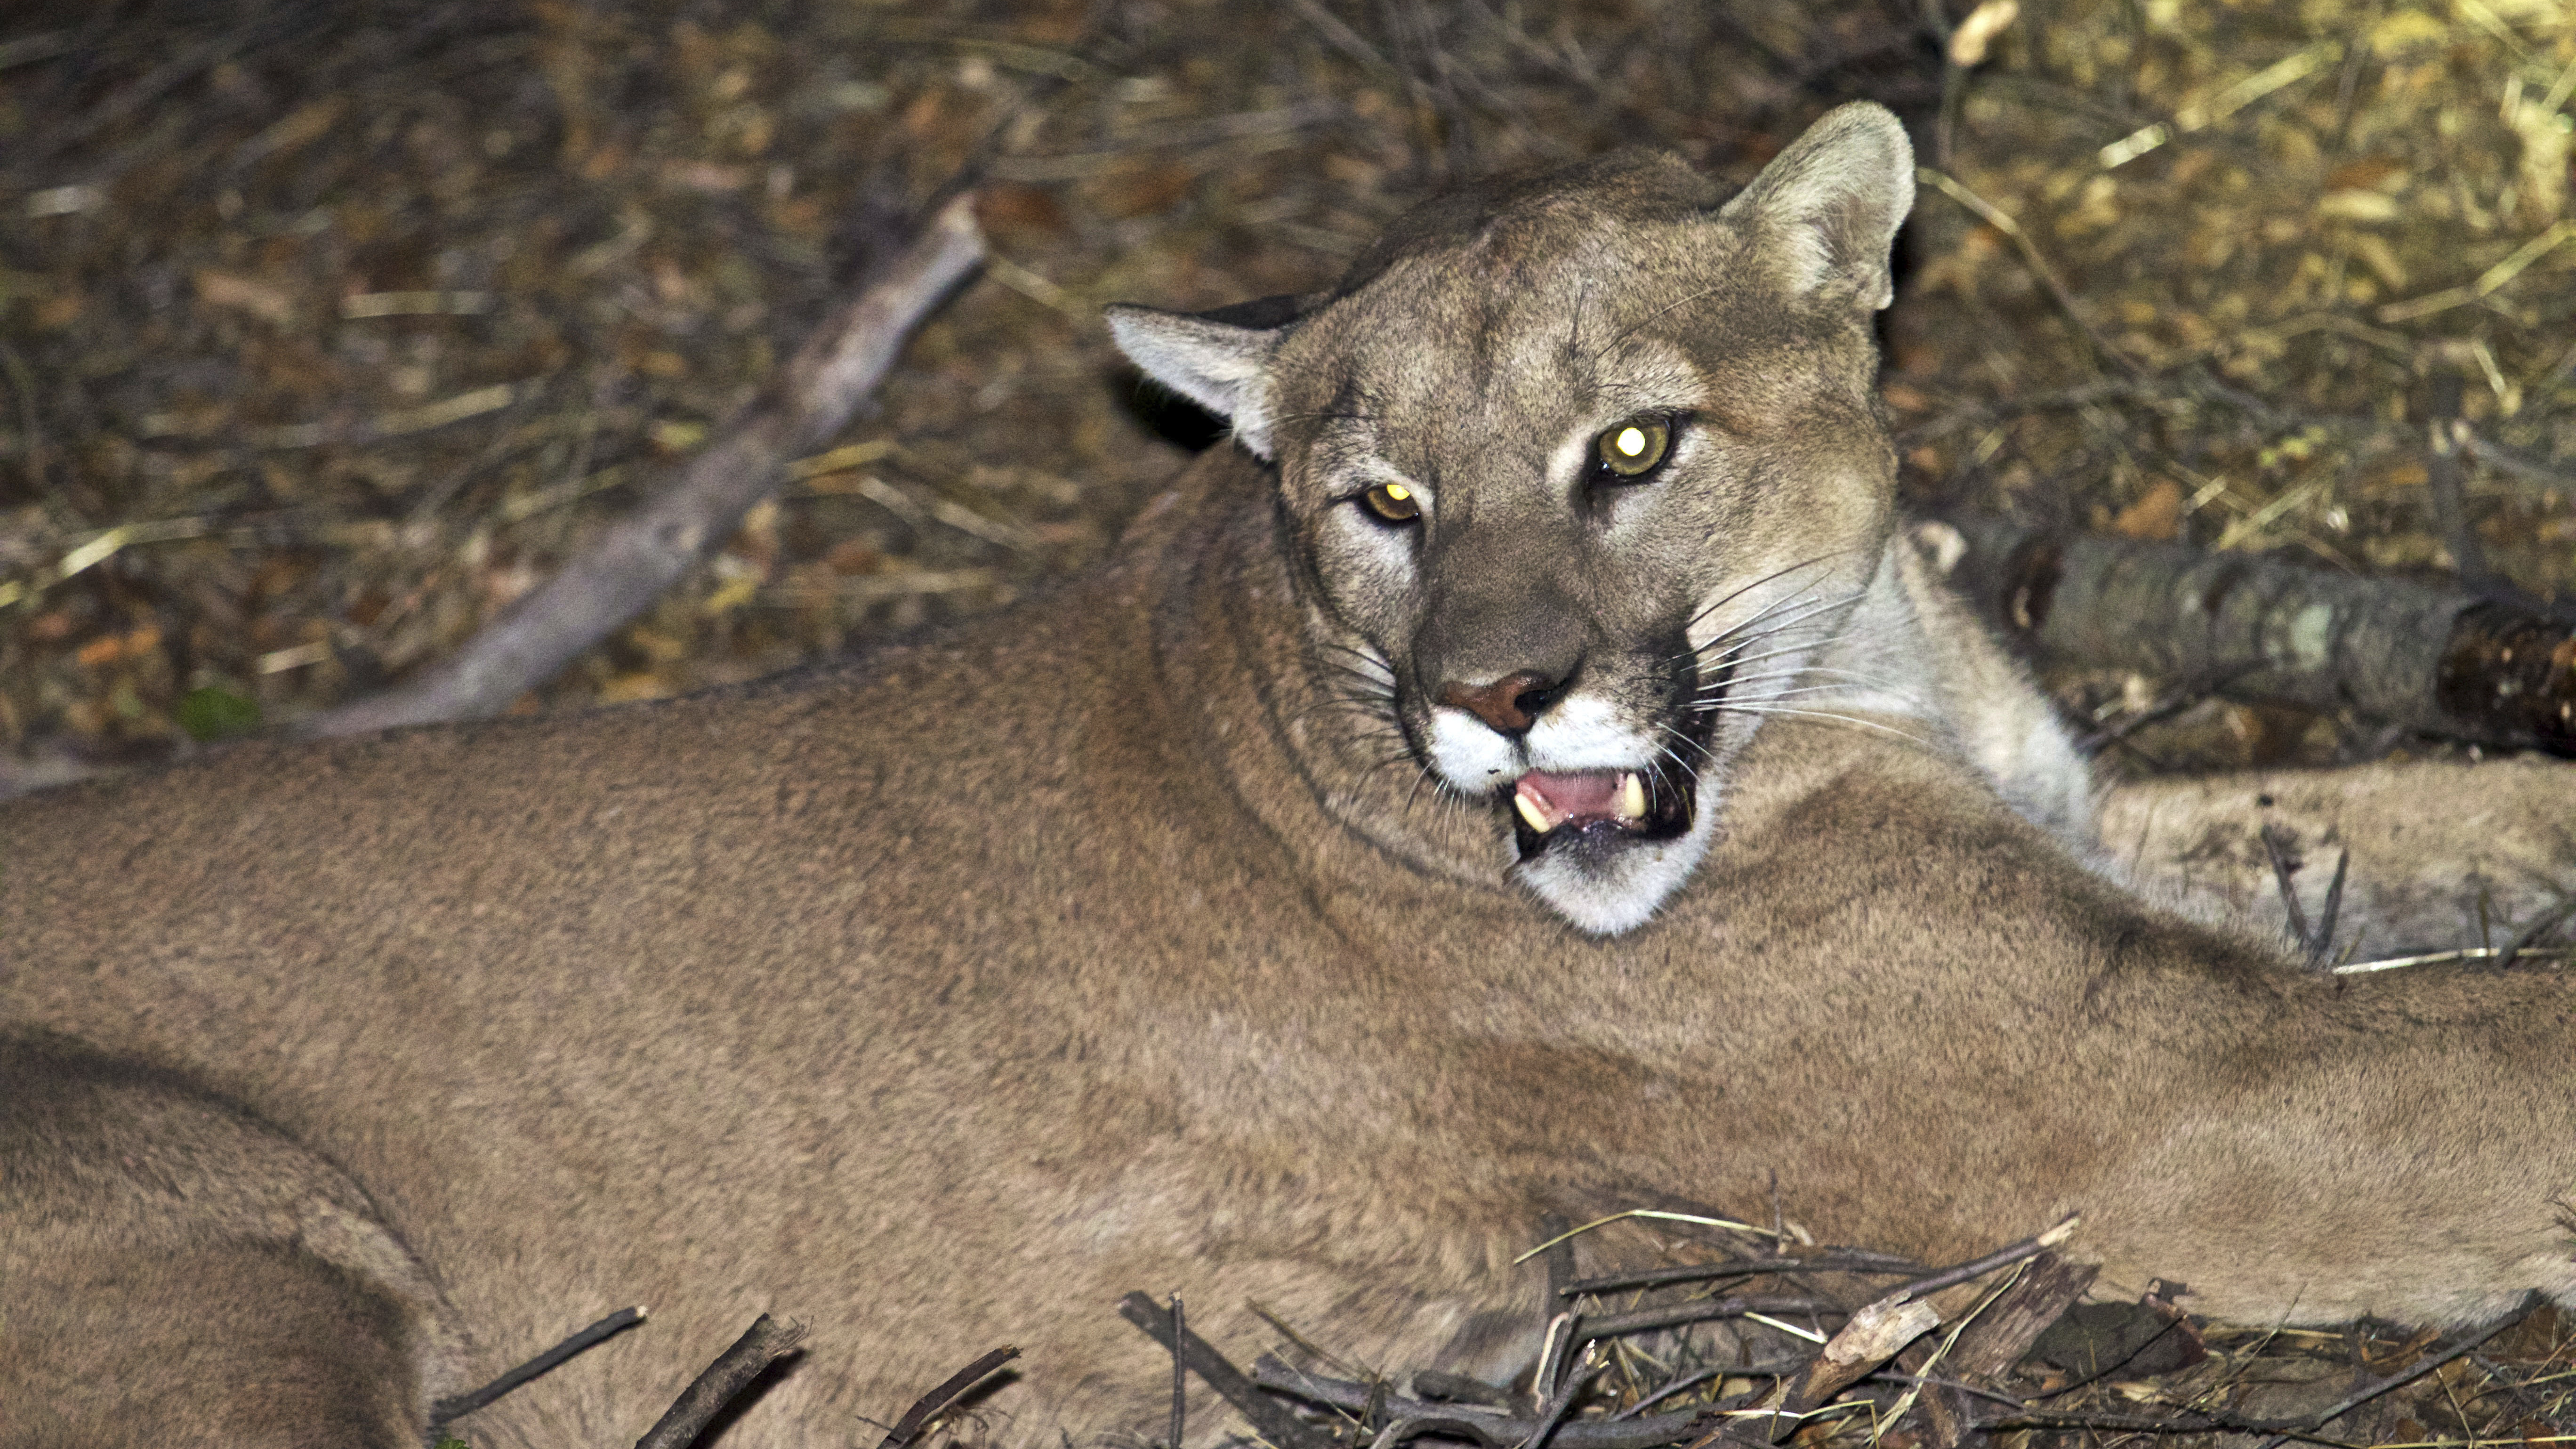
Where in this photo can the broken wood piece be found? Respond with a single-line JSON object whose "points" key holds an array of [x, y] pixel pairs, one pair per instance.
{"points": [[1873, 1336], [2001, 1335], [638, 557], [762, 1344], [2450, 662]]}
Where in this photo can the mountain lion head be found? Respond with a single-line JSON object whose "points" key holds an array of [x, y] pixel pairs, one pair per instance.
{"points": [[1578, 475]]}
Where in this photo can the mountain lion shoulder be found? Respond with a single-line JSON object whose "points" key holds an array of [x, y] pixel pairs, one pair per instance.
{"points": [[1533, 774]]}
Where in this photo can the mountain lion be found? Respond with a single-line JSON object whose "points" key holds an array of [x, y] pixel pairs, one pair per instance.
{"points": [[1532, 774]]}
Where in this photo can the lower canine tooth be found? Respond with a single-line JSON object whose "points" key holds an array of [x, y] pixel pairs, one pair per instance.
{"points": [[1632, 798], [1530, 812]]}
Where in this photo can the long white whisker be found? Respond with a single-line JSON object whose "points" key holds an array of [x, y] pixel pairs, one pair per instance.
{"points": [[1785, 601], [1780, 653], [1803, 596], [1810, 670], [1819, 714], [1806, 689], [1779, 573], [1817, 608], [1678, 759]]}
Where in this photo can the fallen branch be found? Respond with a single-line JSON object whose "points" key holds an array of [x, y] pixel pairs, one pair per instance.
{"points": [[2445, 662], [762, 1344], [641, 555]]}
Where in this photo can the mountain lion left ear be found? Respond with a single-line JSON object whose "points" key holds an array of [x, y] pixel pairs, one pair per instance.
{"points": [[1825, 211], [1219, 360]]}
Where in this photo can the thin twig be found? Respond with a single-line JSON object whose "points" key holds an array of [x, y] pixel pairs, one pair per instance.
{"points": [[2444, 481], [1496, 1431], [923, 1409], [1686, 1381], [2030, 1247], [1180, 1374], [1935, 1382], [1986, 211], [1675, 1315], [1842, 1262], [1269, 1419], [2309, 1429], [458, 1406], [2540, 926], [1561, 1405], [2276, 848], [2322, 947], [762, 1344], [2317, 1422]]}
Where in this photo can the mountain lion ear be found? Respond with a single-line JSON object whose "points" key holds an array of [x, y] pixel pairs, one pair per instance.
{"points": [[1212, 358], [1825, 211]]}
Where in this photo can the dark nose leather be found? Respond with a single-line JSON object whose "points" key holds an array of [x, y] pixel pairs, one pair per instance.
{"points": [[1509, 704]]}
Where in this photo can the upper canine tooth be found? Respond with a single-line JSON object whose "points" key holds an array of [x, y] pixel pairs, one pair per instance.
{"points": [[1531, 812], [1632, 797]]}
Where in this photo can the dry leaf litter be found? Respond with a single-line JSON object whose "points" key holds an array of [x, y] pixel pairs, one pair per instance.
{"points": [[326, 329]]}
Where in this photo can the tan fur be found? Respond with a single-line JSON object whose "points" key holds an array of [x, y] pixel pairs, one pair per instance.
{"points": [[937, 1001]]}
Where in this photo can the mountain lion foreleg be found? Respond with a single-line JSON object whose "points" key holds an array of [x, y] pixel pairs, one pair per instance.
{"points": [[2445, 854], [172, 1272]]}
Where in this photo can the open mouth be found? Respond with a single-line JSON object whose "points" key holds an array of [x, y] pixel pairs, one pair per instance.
{"points": [[1598, 807]]}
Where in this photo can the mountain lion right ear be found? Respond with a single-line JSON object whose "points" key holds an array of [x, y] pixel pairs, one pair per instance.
{"points": [[1212, 358], [1825, 211]]}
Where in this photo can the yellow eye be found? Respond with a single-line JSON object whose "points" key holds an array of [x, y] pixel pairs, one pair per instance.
{"points": [[1633, 448], [1393, 502]]}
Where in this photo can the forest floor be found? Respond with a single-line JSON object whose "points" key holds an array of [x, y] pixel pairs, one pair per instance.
{"points": [[327, 329]]}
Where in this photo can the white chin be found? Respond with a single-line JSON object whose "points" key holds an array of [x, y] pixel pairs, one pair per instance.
{"points": [[1619, 885]]}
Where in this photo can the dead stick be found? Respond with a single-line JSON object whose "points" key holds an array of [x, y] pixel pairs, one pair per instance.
{"points": [[907, 1428], [640, 556], [762, 1344], [2540, 926], [1553, 1414], [1180, 1373], [1836, 1262], [587, 1339], [1951, 1277], [1270, 1420], [1701, 1310]]}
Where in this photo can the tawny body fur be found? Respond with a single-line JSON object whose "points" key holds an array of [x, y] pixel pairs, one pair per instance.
{"points": [[937, 1001]]}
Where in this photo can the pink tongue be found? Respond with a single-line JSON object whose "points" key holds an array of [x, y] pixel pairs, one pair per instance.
{"points": [[1590, 795]]}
